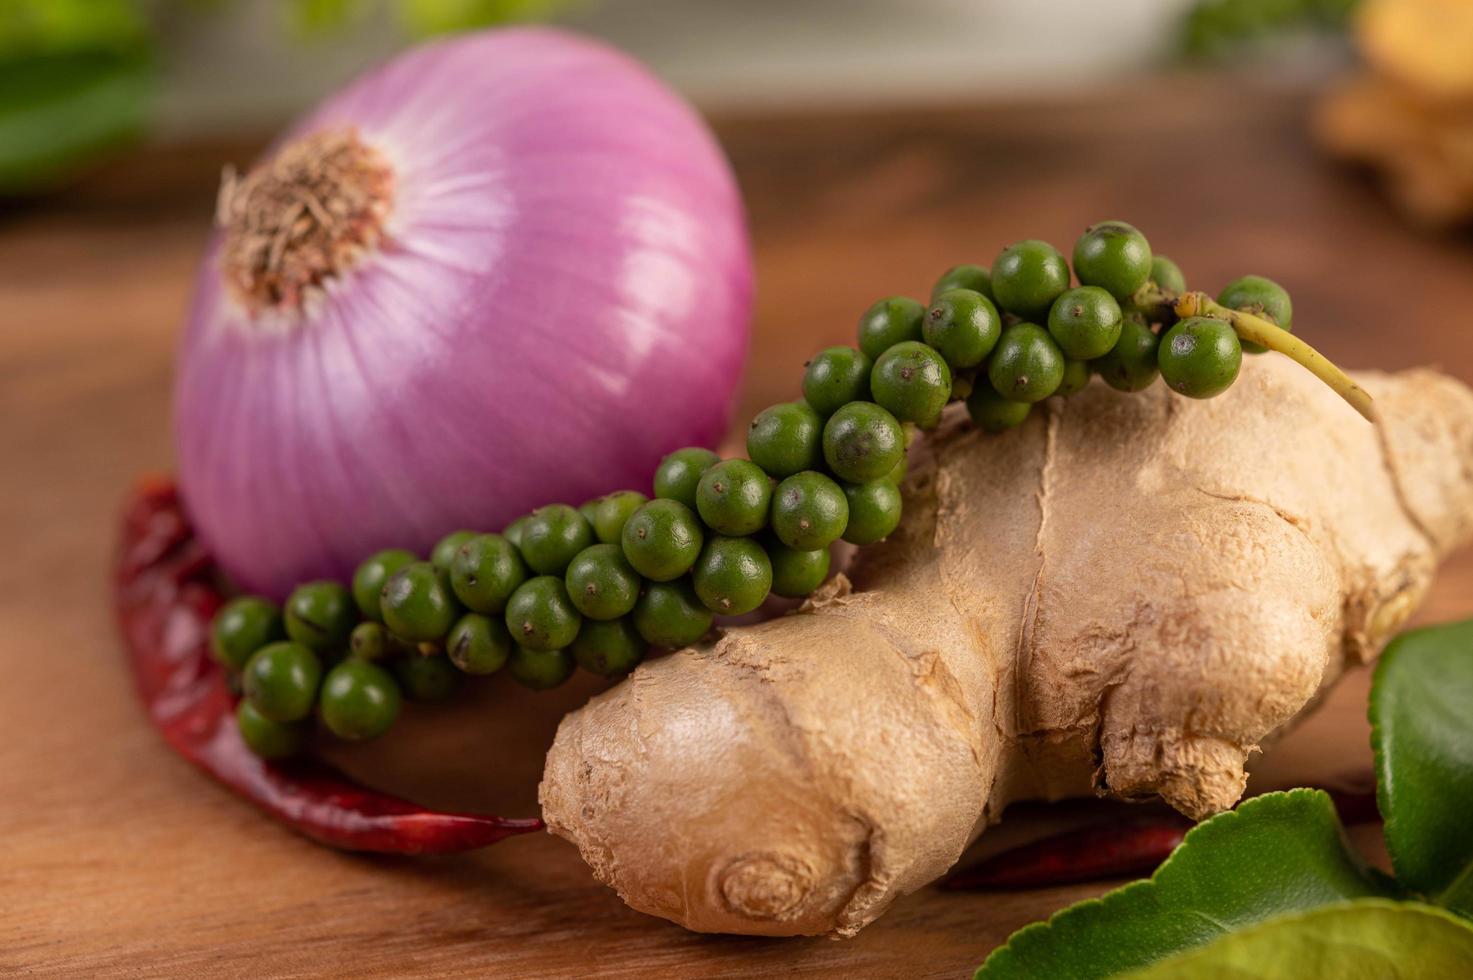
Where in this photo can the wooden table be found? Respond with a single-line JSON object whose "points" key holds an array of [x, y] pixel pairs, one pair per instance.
{"points": [[117, 859]]}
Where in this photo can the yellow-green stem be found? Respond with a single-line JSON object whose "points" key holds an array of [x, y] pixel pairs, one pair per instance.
{"points": [[1261, 331]]}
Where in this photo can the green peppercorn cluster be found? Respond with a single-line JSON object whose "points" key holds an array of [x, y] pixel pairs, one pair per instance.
{"points": [[595, 586], [1044, 335]]}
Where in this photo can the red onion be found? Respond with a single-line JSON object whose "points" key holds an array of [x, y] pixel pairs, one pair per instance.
{"points": [[504, 270]]}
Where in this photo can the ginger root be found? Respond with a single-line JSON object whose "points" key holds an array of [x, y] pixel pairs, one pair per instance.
{"points": [[1128, 595]]}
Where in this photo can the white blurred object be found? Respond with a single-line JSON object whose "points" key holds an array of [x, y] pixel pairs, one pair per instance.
{"points": [[240, 67], [868, 51]]}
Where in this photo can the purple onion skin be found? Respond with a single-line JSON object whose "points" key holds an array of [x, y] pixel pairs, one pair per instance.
{"points": [[563, 297]]}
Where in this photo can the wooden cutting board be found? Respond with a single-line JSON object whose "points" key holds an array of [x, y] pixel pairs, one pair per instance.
{"points": [[118, 860]]}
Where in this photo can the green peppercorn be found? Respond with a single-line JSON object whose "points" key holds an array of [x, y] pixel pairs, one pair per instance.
{"points": [[809, 511], [612, 512], [912, 382], [601, 583], [977, 278], [1131, 364], [897, 473], [1085, 322], [862, 442], [1028, 277], [513, 531], [426, 678], [540, 615], [1027, 365], [485, 572], [320, 615], [1199, 357], [552, 536], [992, 412], [1262, 297], [732, 576], [609, 649], [1114, 256], [588, 509], [670, 614], [783, 440], [359, 700], [280, 680], [541, 670], [888, 322], [372, 573], [678, 474], [963, 326], [874, 511], [418, 604], [266, 738], [478, 644], [371, 641], [795, 573], [734, 496], [1076, 376], [243, 626], [662, 539], [1167, 274], [444, 551], [834, 378]]}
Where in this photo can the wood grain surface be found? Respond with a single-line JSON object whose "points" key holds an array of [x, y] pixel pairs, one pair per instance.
{"points": [[118, 860]]}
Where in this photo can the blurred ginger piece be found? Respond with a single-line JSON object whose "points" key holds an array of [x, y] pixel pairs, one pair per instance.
{"points": [[1425, 44], [1411, 114]]}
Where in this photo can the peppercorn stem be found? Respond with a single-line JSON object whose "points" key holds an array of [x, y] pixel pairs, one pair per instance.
{"points": [[1159, 302], [1261, 331]]}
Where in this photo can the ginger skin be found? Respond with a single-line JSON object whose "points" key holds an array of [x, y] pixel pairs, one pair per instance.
{"points": [[1126, 596]]}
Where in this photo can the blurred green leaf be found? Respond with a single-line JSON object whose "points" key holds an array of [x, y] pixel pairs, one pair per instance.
{"points": [[426, 17], [32, 27], [316, 17], [59, 113], [1213, 28]]}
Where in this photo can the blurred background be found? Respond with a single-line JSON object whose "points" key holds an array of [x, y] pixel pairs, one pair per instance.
{"points": [[191, 66], [82, 81]]}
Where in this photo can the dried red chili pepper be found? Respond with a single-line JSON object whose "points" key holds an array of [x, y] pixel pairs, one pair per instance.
{"points": [[1103, 852], [1098, 853], [165, 596]]}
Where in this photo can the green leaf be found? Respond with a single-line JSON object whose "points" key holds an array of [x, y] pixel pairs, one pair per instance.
{"points": [[1366, 939], [1422, 734], [1276, 853], [59, 113]]}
